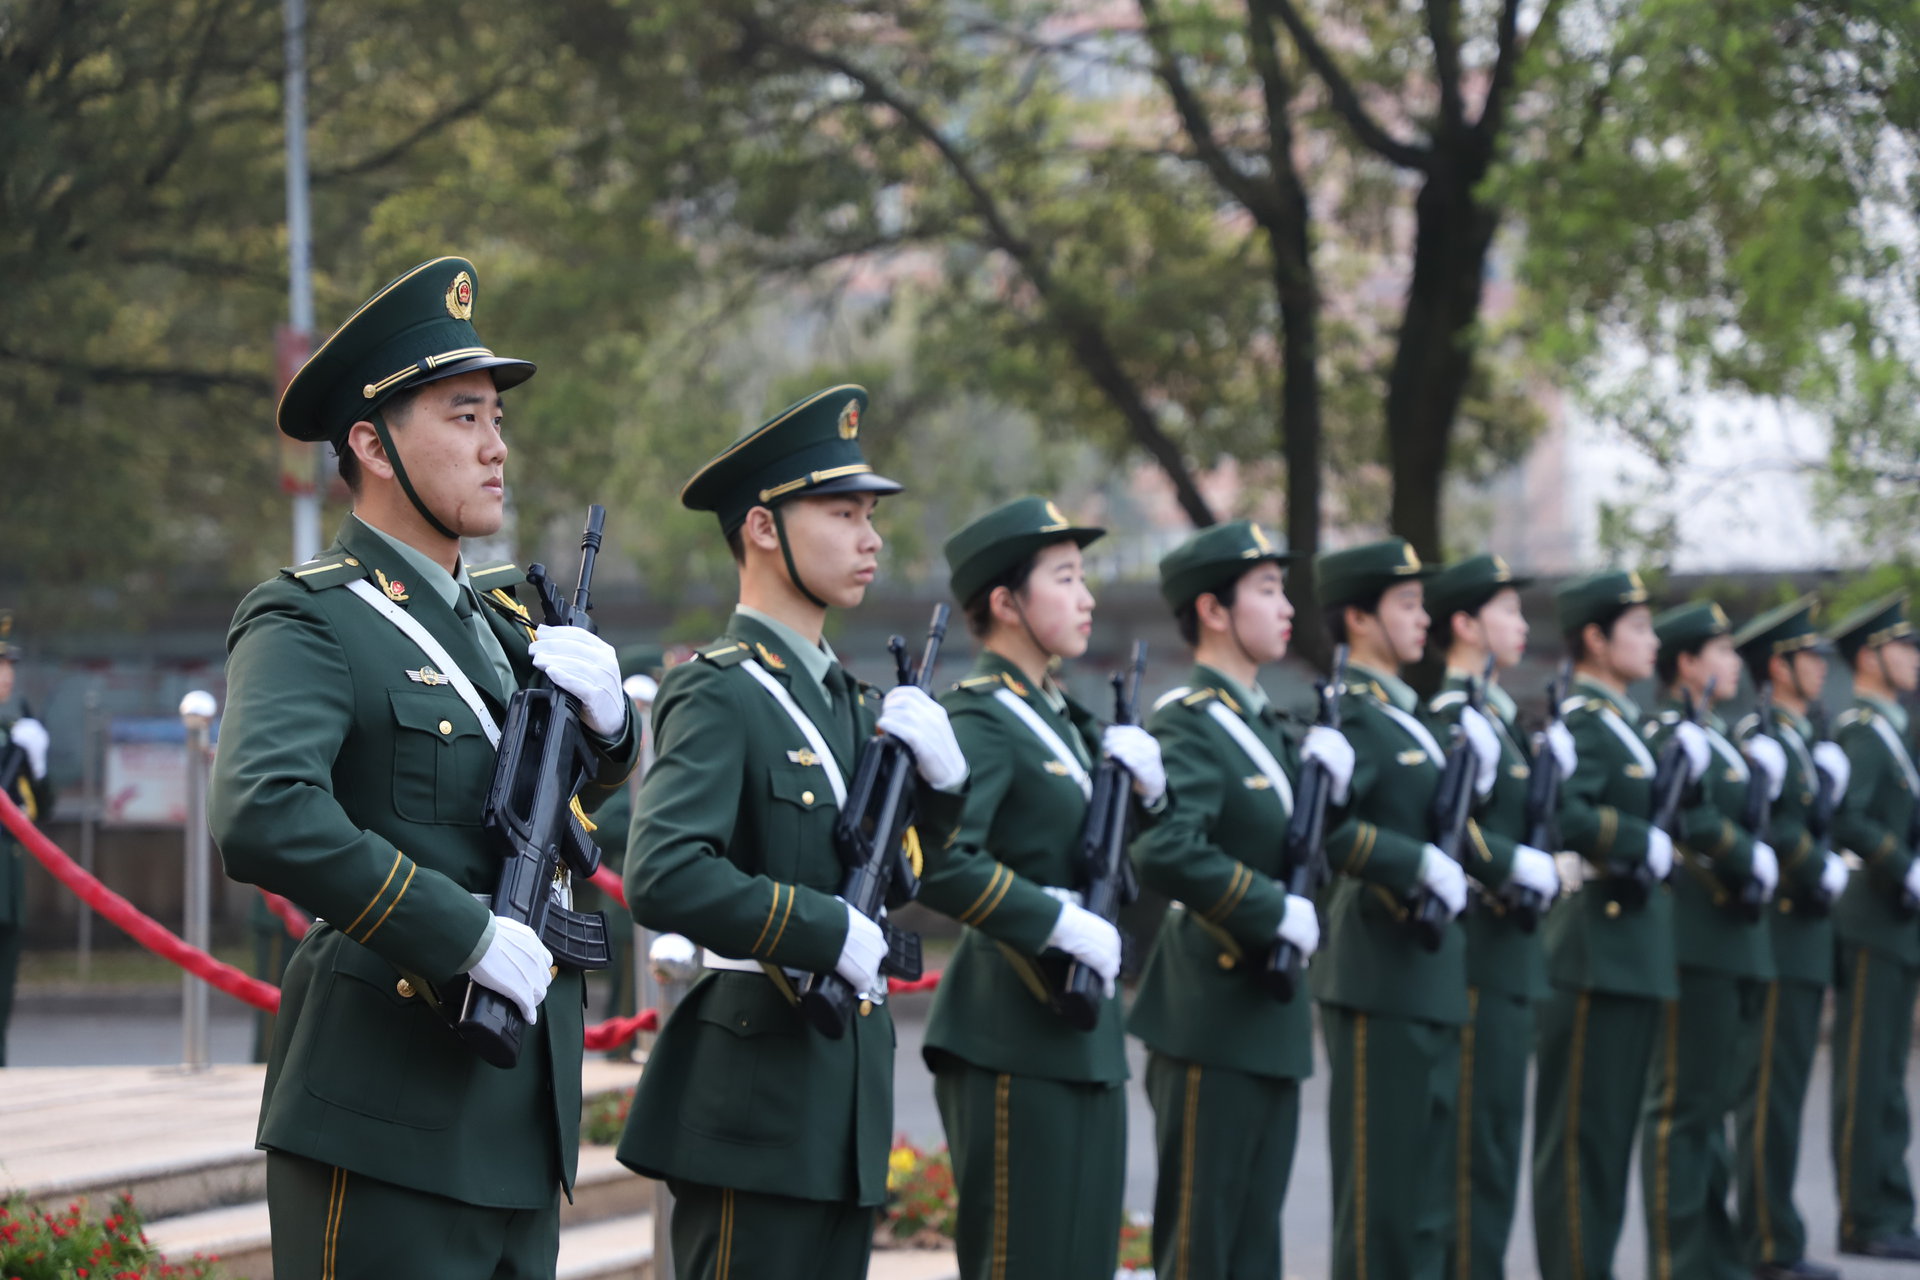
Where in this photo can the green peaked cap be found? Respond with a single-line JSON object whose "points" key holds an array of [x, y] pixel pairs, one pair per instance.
{"points": [[1465, 586], [1215, 557], [1597, 598], [1005, 536], [1356, 573], [641, 660], [419, 329], [1881, 622], [1786, 629], [809, 449], [1688, 626]]}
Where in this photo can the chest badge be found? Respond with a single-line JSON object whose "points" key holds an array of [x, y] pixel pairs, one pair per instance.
{"points": [[803, 757], [1258, 782], [1055, 768], [1414, 756], [771, 658], [395, 589], [428, 676]]}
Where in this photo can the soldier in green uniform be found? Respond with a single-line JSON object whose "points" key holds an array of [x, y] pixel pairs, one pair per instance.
{"points": [[1226, 1058], [772, 1136], [364, 693], [1390, 1009], [1475, 603], [1783, 649], [27, 743], [1610, 964], [1724, 959], [1034, 1110], [1878, 963]]}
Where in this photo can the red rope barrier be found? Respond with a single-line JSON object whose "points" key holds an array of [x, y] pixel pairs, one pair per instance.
{"points": [[291, 916], [142, 928], [615, 1032], [607, 881]]}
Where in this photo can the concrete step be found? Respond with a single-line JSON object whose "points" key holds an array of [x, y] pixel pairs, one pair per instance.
{"points": [[611, 1249]]}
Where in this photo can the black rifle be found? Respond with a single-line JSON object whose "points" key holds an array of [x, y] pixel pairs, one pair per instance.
{"points": [[1303, 857], [1524, 906], [1452, 810], [1106, 871], [871, 838], [1631, 882], [1817, 901], [545, 760], [1756, 814]]}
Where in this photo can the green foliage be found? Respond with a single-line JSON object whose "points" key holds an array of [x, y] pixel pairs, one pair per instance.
{"points": [[604, 1118], [69, 1245]]}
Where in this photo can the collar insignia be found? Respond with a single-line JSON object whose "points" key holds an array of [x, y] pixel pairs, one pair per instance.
{"points": [[1015, 685], [395, 589], [771, 658], [803, 757], [428, 676]]}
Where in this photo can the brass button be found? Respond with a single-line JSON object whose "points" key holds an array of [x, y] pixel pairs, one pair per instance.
{"points": [[1613, 911], [446, 726], [806, 797], [1786, 906], [353, 562], [404, 988], [866, 1007], [1226, 960]]}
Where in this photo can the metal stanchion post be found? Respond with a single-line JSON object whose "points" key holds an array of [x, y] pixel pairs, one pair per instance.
{"points": [[196, 712], [676, 964], [89, 817]]}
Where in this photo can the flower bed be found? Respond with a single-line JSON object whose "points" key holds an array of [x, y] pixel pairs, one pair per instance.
{"points": [[66, 1245]]}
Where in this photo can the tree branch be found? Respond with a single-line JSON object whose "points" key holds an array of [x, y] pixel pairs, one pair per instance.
{"points": [[449, 115], [1506, 67], [1256, 197], [159, 377], [1344, 97], [1442, 17]]}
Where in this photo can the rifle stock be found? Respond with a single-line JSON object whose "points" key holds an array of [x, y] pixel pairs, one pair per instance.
{"points": [[1816, 901]]}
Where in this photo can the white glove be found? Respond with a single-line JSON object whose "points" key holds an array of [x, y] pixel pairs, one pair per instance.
{"points": [[1136, 749], [1486, 749], [643, 689], [31, 737], [862, 953], [1829, 758], [1060, 893], [911, 715], [1659, 853], [1913, 878], [1693, 741], [1833, 876], [1301, 925], [1331, 748], [582, 664], [1766, 866], [517, 965], [1769, 757], [1560, 742], [1535, 870], [1088, 939], [1443, 875]]}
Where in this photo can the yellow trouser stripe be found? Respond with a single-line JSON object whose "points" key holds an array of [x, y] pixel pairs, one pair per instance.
{"points": [[1853, 1094], [1575, 1082], [336, 1210], [1360, 1145], [1183, 1267], [1761, 1193], [1662, 1224], [1002, 1179]]}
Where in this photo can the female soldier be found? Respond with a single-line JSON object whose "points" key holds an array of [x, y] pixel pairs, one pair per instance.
{"points": [[1035, 1111], [1227, 1057]]}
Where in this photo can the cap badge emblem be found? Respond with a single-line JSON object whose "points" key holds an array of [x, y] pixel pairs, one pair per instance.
{"points": [[460, 297], [850, 420]]}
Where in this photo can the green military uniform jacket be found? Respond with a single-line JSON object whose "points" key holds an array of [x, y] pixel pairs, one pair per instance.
{"points": [[1801, 941], [1712, 858], [1872, 824], [1020, 834], [34, 799], [1592, 942], [1216, 851], [1369, 960], [350, 779], [733, 846], [1501, 956]]}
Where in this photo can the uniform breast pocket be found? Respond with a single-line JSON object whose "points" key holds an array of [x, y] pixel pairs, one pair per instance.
{"points": [[799, 818], [442, 762], [383, 1054], [754, 1059]]}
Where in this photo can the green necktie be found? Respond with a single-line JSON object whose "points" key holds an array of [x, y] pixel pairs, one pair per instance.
{"points": [[840, 697], [469, 612]]}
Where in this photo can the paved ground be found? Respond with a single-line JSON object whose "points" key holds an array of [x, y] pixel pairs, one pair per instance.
{"points": [[140, 1028]]}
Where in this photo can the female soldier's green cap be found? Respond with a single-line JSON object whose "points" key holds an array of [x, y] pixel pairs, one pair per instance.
{"points": [[1882, 622], [1363, 572], [419, 329], [1686, 627], [1214, 558], [1005, 536], [1786, 629], [807, 450], [1465, 586], [1599, 598]]}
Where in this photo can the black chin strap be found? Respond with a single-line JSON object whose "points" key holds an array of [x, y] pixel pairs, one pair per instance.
{"points": [[786, 553], [379, 422]]}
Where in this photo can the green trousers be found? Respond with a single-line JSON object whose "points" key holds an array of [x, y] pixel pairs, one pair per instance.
{"points": [[1494, 1049], [1040, 1167], [12, 932], [723, 1234], [1592, 1056], [329, 1224], [1767, 1127], [1872, 1027], [1394, 1084], [1686, 1167], [1225, 1140], [10, 936]]}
